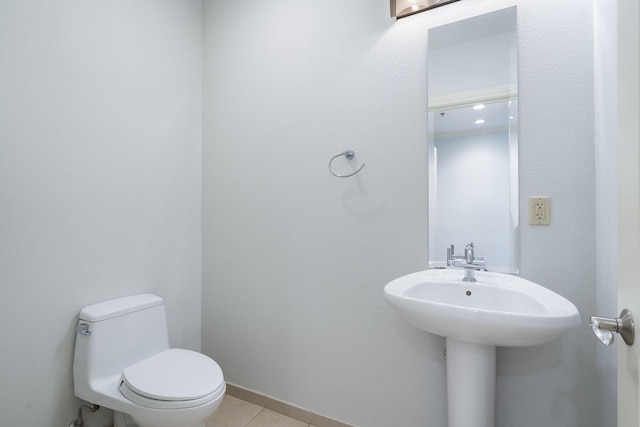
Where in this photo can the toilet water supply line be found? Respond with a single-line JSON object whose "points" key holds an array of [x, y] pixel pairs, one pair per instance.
{"points": [[79, 422]]}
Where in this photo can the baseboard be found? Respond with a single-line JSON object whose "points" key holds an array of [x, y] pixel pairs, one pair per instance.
{"points": [[292, 411]]}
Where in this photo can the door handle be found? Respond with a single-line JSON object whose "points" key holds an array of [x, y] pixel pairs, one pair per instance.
{"points": [[604, 327]]}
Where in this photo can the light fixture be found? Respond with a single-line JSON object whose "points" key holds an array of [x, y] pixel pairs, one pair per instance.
{"points": [[402, 8], [480, 121], [478, 107]]}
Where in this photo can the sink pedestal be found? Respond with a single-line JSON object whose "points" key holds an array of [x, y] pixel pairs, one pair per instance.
{"points": [[471, 384], [495, 310]]}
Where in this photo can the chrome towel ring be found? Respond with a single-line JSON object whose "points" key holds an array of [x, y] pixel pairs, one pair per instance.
{"points": [[349, 154]]}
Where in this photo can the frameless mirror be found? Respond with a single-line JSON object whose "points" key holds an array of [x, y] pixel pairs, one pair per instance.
{"points": [[473, 139]]}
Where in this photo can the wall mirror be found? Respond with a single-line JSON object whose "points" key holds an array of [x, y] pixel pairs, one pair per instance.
{"points": [[473, 139]]}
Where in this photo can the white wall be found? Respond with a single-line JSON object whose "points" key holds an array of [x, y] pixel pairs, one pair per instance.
{"points": [[294, 260], [100, 148], [556, 101]]}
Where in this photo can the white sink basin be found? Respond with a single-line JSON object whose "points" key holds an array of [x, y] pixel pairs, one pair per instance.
{"points": [[498, 309]]}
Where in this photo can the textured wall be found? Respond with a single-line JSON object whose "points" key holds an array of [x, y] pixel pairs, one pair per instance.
{"points": [[99, 182], [294, 260], [556, 159]]}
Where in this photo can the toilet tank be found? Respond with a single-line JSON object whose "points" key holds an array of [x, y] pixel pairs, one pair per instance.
{"points": [[122, 331]]}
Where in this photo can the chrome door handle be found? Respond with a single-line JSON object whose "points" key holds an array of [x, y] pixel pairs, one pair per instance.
{"points": [[604, 327]]}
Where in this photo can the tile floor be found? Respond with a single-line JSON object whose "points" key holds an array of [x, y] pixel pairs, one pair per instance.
{"points": [[234, 412]]}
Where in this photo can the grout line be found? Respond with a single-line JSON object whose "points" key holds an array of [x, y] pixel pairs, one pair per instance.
{"points": [[256, 416]]}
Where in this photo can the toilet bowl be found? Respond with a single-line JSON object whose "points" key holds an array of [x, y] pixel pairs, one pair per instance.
{"points": [[123, 362]]}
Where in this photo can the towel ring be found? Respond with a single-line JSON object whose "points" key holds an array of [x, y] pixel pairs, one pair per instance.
{"points": [[349, 154]]}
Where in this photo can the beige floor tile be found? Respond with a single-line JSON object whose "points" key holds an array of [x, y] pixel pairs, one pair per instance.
{"points": [[233, 412], [269, 418]]}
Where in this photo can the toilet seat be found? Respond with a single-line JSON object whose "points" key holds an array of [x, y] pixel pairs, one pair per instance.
{"points": [[173, 379]]}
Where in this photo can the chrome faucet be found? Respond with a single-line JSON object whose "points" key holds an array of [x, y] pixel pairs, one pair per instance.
{"points": [[469, 262], [468, 253]]}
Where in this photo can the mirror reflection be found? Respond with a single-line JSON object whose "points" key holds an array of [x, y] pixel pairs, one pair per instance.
{"points": [[473, 140]]}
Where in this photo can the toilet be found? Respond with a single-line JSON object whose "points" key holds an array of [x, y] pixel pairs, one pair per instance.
{"points": [[123, 362]]}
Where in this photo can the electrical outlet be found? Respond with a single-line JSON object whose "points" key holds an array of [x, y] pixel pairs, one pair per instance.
{"points": [[540, 210]]}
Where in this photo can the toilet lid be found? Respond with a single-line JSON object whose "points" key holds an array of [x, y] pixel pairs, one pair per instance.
{"points": [[174, 375]]}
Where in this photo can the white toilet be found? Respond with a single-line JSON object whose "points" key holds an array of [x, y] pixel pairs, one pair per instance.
{"points": [[123, 362]]}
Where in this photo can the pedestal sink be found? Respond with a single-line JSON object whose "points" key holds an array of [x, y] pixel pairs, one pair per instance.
{"points": [[475, 317]]}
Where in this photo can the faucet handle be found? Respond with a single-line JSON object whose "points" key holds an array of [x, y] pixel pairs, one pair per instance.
{"points": [[468, 253], [450, 254]]}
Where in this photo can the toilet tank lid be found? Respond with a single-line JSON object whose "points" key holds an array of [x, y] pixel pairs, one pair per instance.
{"points": [[118, 307]]}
